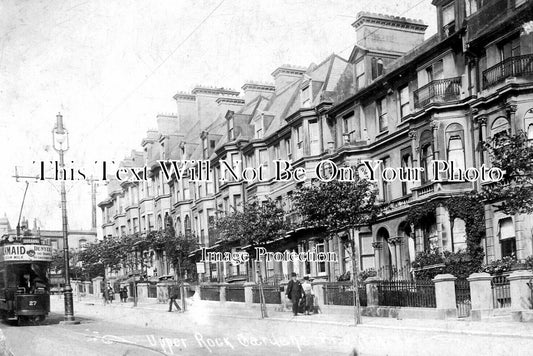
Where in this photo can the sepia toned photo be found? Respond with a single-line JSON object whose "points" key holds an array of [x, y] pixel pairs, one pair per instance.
{"points": [[284, 177]]}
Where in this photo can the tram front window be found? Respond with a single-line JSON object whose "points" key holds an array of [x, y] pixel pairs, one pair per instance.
{"points": [[28, 277]]}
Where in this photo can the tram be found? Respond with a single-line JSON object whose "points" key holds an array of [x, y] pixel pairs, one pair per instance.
{"points": [[24, 288]]}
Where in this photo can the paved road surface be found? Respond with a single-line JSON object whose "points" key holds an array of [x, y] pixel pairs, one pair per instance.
{"points": [[101, 337], [122, 330]]}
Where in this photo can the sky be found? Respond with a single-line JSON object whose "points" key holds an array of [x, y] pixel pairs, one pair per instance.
{"points": [[110, 66]]}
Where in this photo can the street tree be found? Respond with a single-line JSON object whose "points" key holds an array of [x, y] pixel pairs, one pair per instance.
{"points": [[255, 225], [513, 154], [339, 208], [178, 248], [107, 253]]}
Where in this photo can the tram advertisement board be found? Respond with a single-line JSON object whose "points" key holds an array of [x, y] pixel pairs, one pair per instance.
{"points": [[19, 252]]}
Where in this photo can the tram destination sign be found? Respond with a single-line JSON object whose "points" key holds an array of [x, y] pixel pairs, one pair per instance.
{"points": [[19, 252], [31, 240]]}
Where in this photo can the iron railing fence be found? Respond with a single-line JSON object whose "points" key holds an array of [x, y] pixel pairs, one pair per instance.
{"points": [[235, 293], [438, 91], [517, 66], [342, 293], [501, 292], [210, 293], [152, 290], [462, 298], [419, 294], [272, 294]]}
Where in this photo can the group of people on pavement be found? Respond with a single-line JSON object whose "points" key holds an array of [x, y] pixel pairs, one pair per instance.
{"points": [[109, 294], [173, 293], [300, 294]]}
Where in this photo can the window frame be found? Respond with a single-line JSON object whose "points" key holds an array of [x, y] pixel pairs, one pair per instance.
{"points": [[404, 113], [382, 112], [231, 129], [314, 142], [288, 147], [507, 240]]}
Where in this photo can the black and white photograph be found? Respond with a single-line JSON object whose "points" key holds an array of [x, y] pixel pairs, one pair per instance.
{"points": [[252, 177]]}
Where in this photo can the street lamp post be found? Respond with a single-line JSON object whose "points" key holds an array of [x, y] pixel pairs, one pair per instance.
{"points": [[60, 136]]}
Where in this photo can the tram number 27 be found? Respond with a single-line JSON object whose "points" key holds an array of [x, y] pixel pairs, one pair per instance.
{"points": [[32, 303]]}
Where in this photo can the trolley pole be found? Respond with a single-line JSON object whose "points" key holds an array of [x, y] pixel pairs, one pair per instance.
{"points": [[60, 135]]}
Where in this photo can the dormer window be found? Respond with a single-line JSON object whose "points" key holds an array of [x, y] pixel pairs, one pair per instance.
{"points": [[259, 132], [448, 18], [360, 72], [306, 95], [377, 67], [231, 132], [472, 6], [205, 148]]}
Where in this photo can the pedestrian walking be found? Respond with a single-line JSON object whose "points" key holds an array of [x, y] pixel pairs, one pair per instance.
{"points": [[123, 294], [308, 295], [110, 293], [294, 292], [173, 294]]}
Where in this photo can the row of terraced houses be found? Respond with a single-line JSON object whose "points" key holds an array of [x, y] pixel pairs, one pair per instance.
{"points": [[398, 98]]}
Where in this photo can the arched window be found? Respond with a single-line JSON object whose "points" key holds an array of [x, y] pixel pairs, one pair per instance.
{"points": [[82, 244], [500, 126], [168, 221], [159, 222], [187, 225], [455, 147], [177, 226], [530, 132], [459, 234], [386, 259]]}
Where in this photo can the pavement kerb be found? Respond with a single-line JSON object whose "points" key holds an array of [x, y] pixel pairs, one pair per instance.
{"points": [[162, 308]]}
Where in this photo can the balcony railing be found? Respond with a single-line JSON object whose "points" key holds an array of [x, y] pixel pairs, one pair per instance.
{"points": [[518, 66], [438, 91]]}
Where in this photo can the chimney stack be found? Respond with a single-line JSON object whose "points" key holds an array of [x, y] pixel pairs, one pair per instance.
{"points": [[386, 33], [285, 75], [253, 89]]}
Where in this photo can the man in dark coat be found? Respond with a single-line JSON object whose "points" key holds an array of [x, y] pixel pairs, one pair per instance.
{"points": [[173, 294], [294, 292]]}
